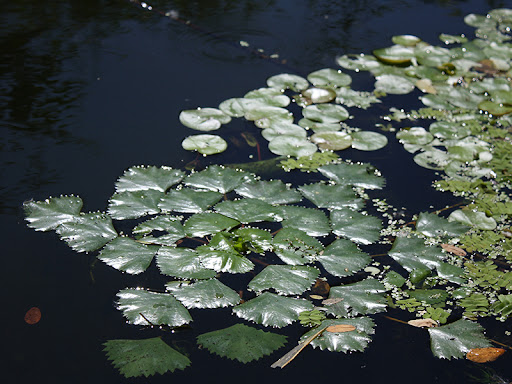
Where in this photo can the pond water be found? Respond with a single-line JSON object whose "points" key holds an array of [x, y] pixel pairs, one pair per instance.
{"points": [[91, 88]]}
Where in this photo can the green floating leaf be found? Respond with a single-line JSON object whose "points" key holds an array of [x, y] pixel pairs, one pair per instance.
{"points": [[448, 130], [291, 146], [224, 261], [285, 279], [333, 141], [217, 178], [413, 254], [364, 297], [356, 340], [254, 239], [206, 294], [319, 95], [296, 247], [283, 129], [142, 178], [87, 232], [272, 192], [406, 40], [163, 223], [368, 141], [317, 126], [451, 273], [188, 200], [432, 225], [474, 219], [396, 54], [265, 116], [288, 81], [144, 357], [268, 96], [205, 144], [414, 135], [248, 210], [132, 205], [362, 229], [351, 98], [392, 84], [429, 296], [456, 339], [183, 263], [325, 113], [142, 307], [272, 310], [358, 175], [331, 196], [207, 223], [432, 159], [50, 213], [310, 220], [204, 119], [343, 258], [241, 342], [329, 77], [360, 62], [127, 255], [503, 306]]}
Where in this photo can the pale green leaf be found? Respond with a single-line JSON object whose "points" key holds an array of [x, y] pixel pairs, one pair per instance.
{"points": [[205, 144], [286, 80], [312, 221], [204, 119], [368, 140], [412, 253], [248, 210], [329, 77], [432, 225], [474, 219], [223, 261], [291, 146]]}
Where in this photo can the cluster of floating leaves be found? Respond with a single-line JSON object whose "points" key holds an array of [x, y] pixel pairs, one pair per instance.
{"points": [[199, 228], [320, 96]]}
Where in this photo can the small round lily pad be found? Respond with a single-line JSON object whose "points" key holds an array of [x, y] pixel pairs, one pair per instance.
{"points": [[205, 144], [204, 119]]}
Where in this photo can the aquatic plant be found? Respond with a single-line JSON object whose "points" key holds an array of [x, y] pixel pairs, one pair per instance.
{"points": [[200, 228]]}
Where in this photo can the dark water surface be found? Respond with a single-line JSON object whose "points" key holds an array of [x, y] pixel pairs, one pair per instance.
{"points": [[90, 88]]}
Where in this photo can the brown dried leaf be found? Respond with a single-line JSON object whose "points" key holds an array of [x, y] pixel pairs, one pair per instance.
{"points": [[33, 316], [484, 355], [453, 249], [339, 328], [421, 323], [332, 301]]}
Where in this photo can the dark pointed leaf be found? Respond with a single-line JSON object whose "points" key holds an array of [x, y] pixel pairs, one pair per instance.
{"points": [[50, 213]]}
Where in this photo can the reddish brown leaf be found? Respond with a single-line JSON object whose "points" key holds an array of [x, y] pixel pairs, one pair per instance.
{"points": [[33, 315], [320, 288], [339, 328], [484, 355], [453, 249]]}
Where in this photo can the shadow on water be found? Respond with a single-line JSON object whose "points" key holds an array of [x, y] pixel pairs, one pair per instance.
{"points": [[91, 88]]}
